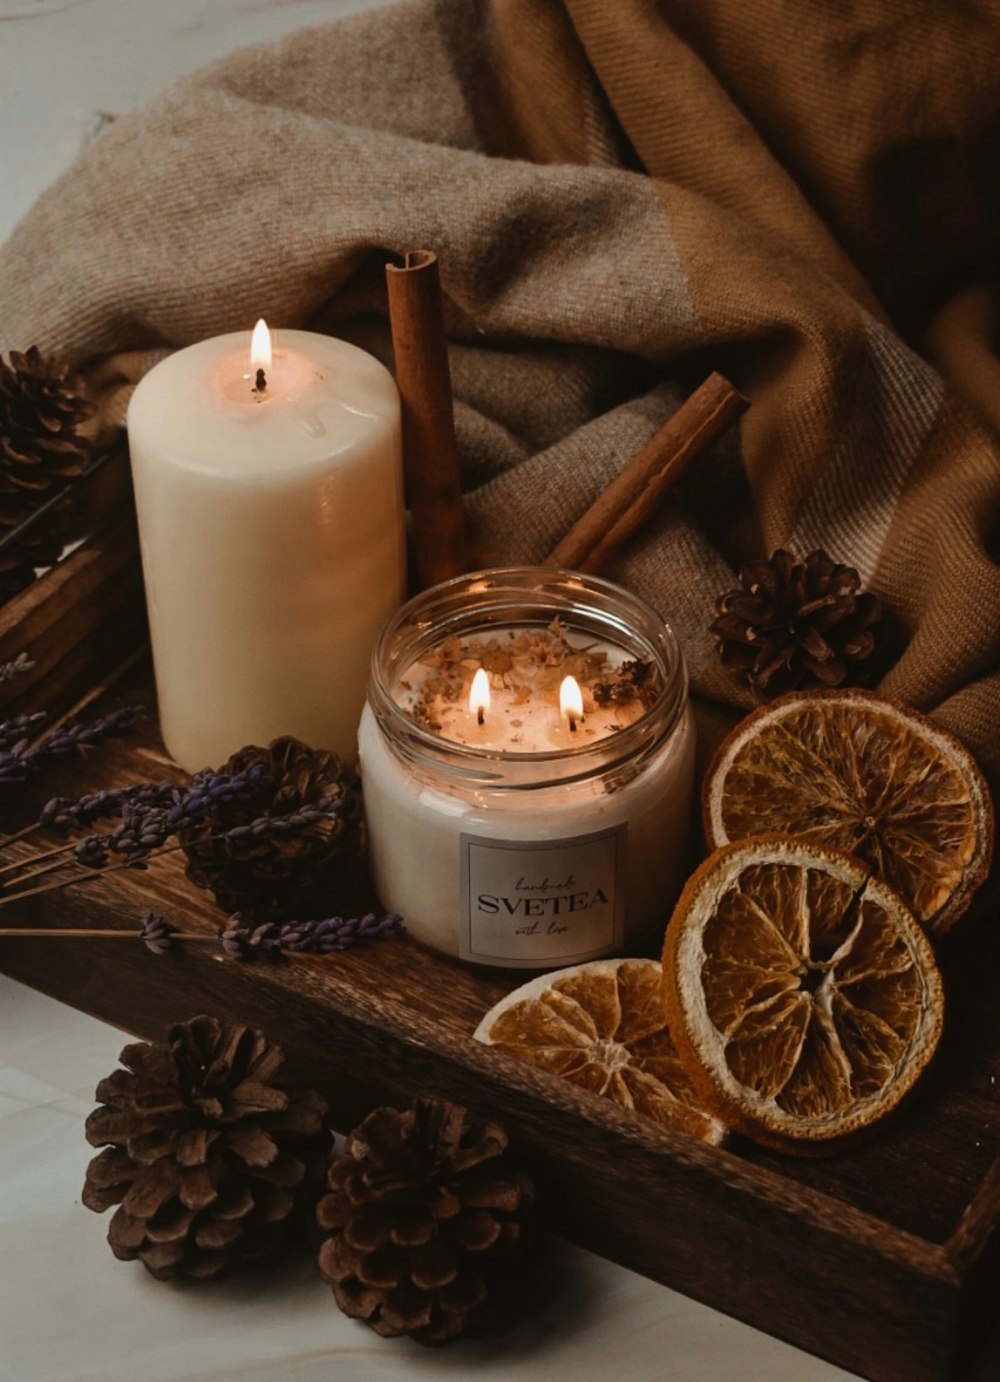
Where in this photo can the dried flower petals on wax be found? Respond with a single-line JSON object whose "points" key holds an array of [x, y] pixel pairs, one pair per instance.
{"points": [[526, 667]]}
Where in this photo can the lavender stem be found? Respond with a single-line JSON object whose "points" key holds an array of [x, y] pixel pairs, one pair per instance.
{"points": [[67, 931], [37, 859]]}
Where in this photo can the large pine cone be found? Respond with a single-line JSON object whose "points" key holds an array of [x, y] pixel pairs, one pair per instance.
{"points": [[268, 876], [212, 1165], [42, 405], [795, 624], [430, 1227]]}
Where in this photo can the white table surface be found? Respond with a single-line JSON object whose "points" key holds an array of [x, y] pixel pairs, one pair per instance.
{"points": [[69, 1312]]}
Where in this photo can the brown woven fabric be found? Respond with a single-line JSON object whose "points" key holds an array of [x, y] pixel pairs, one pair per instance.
{"points": [[622, 195]]}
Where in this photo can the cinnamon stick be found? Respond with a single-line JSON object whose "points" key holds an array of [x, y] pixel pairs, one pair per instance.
{"points": [[635, 493], [430, 458]]}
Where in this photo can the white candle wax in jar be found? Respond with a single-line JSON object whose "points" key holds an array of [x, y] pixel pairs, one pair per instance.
{"points": [[522, 841], [271, 522]]}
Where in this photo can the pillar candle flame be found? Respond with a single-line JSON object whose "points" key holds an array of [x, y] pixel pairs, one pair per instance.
{"points": [[260, 357], [260, 346], [479, 696], [571, 702]]}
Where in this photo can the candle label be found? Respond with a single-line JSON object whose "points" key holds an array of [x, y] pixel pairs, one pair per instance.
{"points": [[532, 903]]}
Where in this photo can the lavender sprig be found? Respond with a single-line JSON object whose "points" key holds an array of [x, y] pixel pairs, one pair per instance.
{"points": [[182, 807], [75, 813], [15, 668], [279, 827], [92, 851], [151, 814], [18, 729], [18, 760], [209, 790], [143, 830], [238, 940], [15, 763], [82, 737], [156, 934], [243, 941], [337, 933]]}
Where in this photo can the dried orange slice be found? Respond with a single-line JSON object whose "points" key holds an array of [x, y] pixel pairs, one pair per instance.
{"points": [[864, 774], [600, 1026], [802, 994]]}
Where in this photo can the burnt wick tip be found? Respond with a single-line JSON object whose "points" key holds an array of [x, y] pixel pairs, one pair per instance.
{"points": [[260, 382]]}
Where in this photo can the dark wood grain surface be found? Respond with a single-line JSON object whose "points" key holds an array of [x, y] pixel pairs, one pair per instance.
{"points": [[883, 1260]]}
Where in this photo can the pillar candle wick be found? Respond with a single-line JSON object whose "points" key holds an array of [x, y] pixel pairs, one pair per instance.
{"points": [[260, 383]]}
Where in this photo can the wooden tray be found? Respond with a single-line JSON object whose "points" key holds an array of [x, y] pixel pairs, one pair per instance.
{"points": [[886, 1260]]}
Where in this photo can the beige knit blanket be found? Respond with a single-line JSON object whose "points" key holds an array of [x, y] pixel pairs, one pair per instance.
{"points": [[623, 194]]}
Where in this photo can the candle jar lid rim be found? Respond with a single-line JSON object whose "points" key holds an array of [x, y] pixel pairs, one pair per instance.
{"points": [[585, 601]]}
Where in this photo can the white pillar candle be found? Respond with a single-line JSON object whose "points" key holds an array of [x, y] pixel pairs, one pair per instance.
{"points": [[520, 841], [271, 524]]}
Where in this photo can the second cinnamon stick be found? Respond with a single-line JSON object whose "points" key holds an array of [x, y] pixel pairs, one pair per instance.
{"points": [[636, 492]]}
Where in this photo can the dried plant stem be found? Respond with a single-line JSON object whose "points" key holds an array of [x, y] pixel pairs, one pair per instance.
{"points": [[152, 855], [91, 933], [37, 859], [6, 898], [19, 835], [36, 873]]}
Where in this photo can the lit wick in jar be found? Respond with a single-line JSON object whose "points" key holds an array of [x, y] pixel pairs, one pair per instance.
{"points": [[479, 725], [479, 696], [566, 734], [571, 702]]}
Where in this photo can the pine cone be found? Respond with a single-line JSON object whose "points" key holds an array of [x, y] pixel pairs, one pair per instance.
{"points": [[430, 1226], [42, 404], [796, 624], [212, 1165], [268, 876]]}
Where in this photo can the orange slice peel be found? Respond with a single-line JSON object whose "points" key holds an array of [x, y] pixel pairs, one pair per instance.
{"points": [[802, 995], [855, 771], [601, 1027]]}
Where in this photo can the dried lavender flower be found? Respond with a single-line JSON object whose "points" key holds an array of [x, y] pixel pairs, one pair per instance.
{"points": [[15, 668], [281, 827], [74, 813], [18, 729], [210, 789], [82, 737], [157, 934], [92, 851], [323, 937], [241, 941], [143, 830], [337, 933], [14, 763], [17, 761]]}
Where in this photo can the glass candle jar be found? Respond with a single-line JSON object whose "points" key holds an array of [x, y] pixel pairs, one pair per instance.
{"points": [[521, 835]]}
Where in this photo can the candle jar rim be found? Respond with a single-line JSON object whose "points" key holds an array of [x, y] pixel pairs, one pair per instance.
{"points": [[525, 595]]}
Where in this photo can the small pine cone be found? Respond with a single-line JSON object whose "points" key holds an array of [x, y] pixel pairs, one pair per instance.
{"points": [[271, 875], [42, 405], [431, 1228], [795, 624], [213, 1165]]}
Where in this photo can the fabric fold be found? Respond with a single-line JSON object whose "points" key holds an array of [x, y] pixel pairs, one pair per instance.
{"points": [[622, 197]]}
